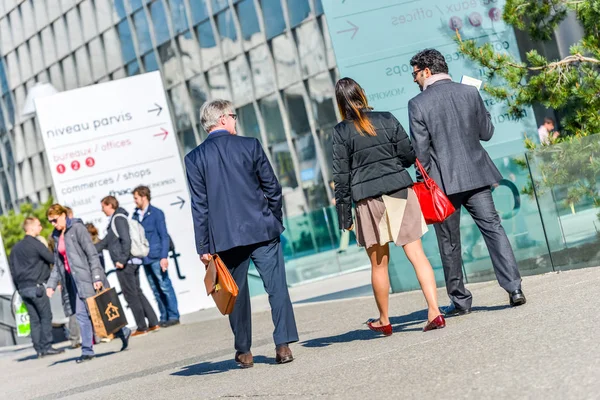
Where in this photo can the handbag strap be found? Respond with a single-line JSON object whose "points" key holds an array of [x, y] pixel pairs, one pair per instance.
{"points": [[422, 170]]}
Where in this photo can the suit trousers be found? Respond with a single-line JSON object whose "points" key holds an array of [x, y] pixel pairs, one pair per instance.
{"points": [[480, 205], [129, 279], [268, 259]]}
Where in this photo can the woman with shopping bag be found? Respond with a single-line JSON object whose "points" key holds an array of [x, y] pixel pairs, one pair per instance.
{"points": [[371, 152], [78, 267]]}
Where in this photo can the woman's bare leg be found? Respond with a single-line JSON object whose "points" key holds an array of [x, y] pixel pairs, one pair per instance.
{"points": [[416, 255], [379, 256]]}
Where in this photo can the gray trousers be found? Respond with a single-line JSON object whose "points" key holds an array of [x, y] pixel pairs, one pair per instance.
{"points": [[268, 259], [480, 205]]}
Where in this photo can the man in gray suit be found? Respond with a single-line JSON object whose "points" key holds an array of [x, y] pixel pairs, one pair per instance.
{"points": [[448, 121]]}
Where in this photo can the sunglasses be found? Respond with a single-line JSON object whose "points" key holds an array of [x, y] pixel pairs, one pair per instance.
{"points": [[414, 74], [53, 220], [234, 116]]}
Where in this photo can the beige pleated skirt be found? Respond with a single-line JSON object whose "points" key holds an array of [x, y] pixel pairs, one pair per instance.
{"points": [[396, 218]]}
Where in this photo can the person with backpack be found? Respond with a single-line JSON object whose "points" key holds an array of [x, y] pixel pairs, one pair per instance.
{"points": [[156, 262], [126, 244]]}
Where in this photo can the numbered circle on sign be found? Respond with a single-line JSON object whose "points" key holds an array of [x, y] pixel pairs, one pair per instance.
{"points": [[75, 165], [61, 169], [90, 162]]}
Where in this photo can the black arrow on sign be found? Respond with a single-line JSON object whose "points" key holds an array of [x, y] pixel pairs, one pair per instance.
{"points": [[158, 108], [181, 202]]}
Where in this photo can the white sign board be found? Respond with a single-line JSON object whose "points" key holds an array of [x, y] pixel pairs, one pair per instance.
{"points": [[6, 285], [106, 139]]}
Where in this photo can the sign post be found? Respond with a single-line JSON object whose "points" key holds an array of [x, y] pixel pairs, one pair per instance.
{"points": [[108, 138]]}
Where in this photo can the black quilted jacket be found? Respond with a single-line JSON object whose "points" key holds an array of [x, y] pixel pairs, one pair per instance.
{"points": [[367, 166]]}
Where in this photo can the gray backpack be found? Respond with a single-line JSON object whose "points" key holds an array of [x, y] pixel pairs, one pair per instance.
{"points": [[139, 244]]}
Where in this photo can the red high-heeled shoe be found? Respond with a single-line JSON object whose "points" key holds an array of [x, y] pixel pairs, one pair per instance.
{"points": [[438, 323], [385, 329]]}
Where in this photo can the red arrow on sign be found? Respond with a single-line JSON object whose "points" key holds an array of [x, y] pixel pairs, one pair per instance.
{"points": [[164, 133]]}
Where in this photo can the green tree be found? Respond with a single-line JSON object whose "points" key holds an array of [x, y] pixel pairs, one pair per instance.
{"points": [[571, 86], [11, 223]]}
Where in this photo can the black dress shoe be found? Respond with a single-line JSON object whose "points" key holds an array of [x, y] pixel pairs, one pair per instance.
{"points": [[169, 323], [125, 338], [84, 359], [452, 310], [517, 298], [52, 351]]}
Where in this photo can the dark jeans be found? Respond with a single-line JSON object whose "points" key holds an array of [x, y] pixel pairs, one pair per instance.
{"points": [[268, 258], [129, 279], [480, 205], [40, 318], [161, 285]]}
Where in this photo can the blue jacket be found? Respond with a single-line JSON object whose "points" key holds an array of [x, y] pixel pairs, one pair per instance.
{"points": [[155, 227], [236, 198]]}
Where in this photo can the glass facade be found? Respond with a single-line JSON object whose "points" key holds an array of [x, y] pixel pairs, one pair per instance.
{"points": [[270, 57]]}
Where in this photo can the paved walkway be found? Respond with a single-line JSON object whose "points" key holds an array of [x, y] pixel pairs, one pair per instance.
{"points": [[548, 348]]}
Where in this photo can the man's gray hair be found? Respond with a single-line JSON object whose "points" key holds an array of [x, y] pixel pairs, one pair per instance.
{"points": [[211, 111]]}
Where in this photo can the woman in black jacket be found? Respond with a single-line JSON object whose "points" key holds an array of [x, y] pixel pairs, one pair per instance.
{"points": [[371, 152]]}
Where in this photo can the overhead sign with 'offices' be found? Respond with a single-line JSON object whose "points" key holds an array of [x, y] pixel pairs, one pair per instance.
{"points": [[375, 40], [107, 139]]}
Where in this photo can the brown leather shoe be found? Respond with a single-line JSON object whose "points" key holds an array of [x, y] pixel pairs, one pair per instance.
{"points": [[154, 328], [139, 333], [244, 360], [283, 354]]}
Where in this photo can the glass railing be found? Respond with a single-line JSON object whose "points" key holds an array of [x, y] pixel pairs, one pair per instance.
{"points": [[552, 225]]}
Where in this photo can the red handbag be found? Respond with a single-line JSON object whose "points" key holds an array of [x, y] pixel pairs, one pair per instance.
{"points": [[435, 205]]}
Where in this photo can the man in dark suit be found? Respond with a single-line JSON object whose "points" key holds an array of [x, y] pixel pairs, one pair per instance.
{"points": [[448, 121], [236, 205]]}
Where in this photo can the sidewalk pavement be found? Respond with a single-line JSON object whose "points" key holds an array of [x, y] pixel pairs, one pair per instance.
{"points": [[548, 348]]}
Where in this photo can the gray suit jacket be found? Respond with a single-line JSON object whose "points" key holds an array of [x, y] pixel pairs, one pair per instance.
{"points": [[448, 121]]}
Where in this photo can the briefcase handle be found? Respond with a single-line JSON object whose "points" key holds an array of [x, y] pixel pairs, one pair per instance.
{"points": [[101, 288]]}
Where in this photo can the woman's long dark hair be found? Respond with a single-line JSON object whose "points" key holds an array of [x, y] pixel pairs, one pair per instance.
{"points": [[352, 104]]}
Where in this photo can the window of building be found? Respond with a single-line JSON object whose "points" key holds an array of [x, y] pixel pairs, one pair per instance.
{"points": [[248, 121], [318, 7], [16, 25], [218, 5], [56, 78], [187, 140], [262, 71], [228, 34], [198, 89], [142, 31], [159, 22], [199, 11], [28, 19], [241, 80], [284, 168], [133, 68], [218, 83], [88, 20], [181, 107], [210, 52], [69, 73], [104, 13], [24, 62], [190, 54], [5, 35], [178, 16], [41, 15], [53, 9], [135, 4], [37, 58], [249, 24], [84, 70], [273, 17], [67, 4], [299, 11], [294, 104], [74, 29], [61, 39], [20, 97], [150, 63], [97, 59], [127, 49], [321, 91], [271, 113], [114, 49], [171, 68], [30, 139], [285, 60], [311, 48]]}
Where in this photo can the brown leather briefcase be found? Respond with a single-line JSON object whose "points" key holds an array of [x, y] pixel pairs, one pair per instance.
{"points": [[221, 285]]}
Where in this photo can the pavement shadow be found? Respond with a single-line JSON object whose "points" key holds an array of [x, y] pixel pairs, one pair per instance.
{"points": [[211, 368], [35, 357], [491, 308], [399, 324], [72, 359]]}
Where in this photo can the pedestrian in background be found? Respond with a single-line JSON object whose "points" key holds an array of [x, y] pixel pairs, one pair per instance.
{"points": [[237, 212], [118, 243], [30, 269], [156, 264], [77, 266], [448, 121], [371, 152]]}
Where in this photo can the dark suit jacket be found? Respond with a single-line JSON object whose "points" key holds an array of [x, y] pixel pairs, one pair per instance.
{"points": [[236, 198], [448, 121]]}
